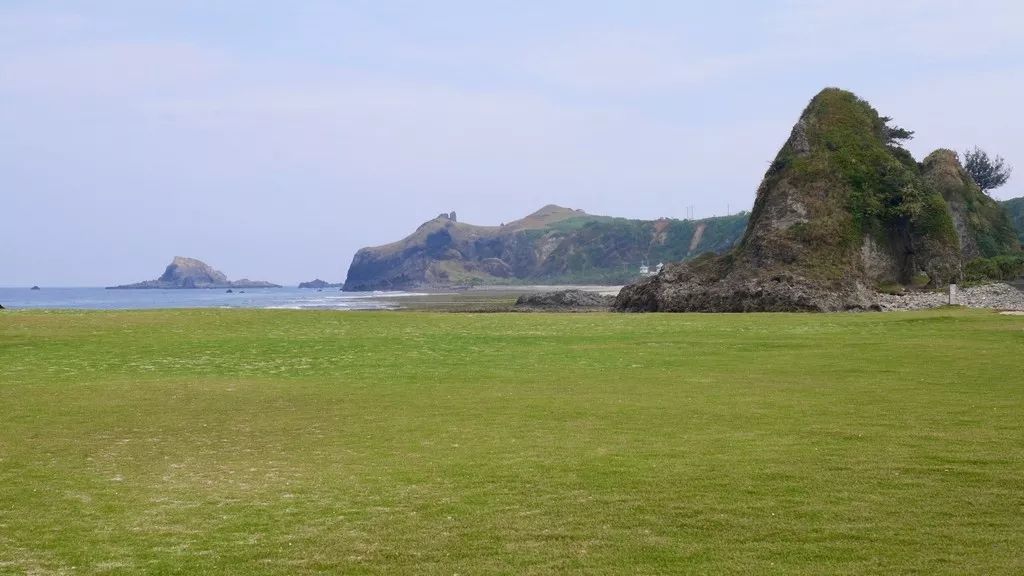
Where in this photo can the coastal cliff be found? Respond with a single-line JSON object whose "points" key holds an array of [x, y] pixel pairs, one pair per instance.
{"points": [[551, 246]]}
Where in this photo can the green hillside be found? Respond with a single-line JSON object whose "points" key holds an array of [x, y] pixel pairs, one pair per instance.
{"points": [[1015, 209]]}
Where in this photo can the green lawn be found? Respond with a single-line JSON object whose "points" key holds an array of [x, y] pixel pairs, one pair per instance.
{"points": [[300, 442]]}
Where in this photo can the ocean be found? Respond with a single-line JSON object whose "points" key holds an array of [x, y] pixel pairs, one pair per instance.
{"points": [[288, 298]]}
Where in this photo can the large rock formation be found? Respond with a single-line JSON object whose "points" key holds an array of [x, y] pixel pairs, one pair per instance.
{"points": [[552, 245], [841, 210], [191, 273]]}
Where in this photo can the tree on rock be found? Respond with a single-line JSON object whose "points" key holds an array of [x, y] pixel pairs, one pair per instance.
{"points": [[987, 173], [894, 135]]}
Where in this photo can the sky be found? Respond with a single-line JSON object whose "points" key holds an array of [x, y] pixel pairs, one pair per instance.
{"points": [[274, 139]]}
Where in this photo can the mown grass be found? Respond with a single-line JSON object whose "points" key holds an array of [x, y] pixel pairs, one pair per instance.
{"points": [[281, 442]]}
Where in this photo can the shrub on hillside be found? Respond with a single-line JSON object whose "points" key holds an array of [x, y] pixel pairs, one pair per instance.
{"points": [[1005, 267]]}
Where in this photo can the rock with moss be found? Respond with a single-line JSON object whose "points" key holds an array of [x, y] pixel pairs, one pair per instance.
{"points": [[983, 226], [841, 210]]}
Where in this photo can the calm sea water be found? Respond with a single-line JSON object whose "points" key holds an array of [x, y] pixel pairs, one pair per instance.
{"points": [[102, 299]]}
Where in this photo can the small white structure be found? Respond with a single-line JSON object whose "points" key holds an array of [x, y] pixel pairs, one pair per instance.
{"points": [[953, 299], [645, 269]]}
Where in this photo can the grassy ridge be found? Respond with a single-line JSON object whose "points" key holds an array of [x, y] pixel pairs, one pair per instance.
{"points": [[280, 442]]}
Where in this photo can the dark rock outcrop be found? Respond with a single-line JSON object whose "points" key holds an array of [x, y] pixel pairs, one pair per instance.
{"points": [[564, 300], [554, 245], [191, 273], [841, 210]]}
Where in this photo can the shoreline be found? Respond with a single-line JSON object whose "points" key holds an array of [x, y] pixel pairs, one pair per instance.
{"points": [[999, 296]]}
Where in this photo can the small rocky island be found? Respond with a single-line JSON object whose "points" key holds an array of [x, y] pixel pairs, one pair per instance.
{"points": [[319, 284], [191, 273]]}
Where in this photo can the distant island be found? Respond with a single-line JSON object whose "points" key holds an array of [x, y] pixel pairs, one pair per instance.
{"points": [[185, 272], [319, 284], [554, 245]]}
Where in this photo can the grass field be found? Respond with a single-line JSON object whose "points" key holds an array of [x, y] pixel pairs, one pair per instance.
{"points": [[281, 442]]}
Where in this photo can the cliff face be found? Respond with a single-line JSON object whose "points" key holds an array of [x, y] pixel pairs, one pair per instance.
{"points": [[191, 273], [552, 245], [841, 210]]}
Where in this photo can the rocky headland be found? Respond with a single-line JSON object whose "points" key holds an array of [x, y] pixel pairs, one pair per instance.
{"points": [[843, 210], [554, 245], [185, 272]]}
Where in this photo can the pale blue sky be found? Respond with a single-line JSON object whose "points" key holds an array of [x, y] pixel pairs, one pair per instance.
{"points": [[273, 139]]}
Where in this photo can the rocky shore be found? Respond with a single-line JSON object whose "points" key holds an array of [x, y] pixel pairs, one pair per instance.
{"points": [[996, 296], [565, 301]]}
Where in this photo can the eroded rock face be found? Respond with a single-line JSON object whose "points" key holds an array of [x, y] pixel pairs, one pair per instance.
{"points": [[840, 211]]}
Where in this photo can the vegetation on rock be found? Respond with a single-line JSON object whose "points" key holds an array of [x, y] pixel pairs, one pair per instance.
{"points": [[982, 224], [988, 173]]}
